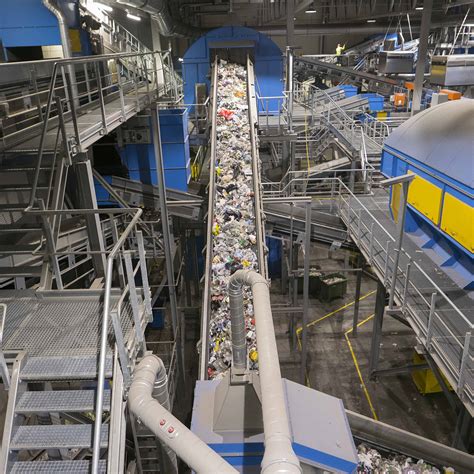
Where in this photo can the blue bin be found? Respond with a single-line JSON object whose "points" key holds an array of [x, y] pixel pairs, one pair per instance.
{"points": [[375, 101], [158, 318], [349, 90]]}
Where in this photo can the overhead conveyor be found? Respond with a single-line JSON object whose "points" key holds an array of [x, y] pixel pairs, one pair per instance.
{"points": [[374, 83]]}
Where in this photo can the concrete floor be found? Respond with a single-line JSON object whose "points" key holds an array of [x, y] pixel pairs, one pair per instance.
{"points": [[331, 368]]}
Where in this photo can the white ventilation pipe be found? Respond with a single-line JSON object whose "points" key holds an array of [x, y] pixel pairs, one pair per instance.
{"points": [[167, 428], [279, 457]]}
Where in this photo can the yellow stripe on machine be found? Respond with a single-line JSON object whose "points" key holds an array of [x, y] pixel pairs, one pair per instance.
{"points": [[426, 198], [458, 221]]}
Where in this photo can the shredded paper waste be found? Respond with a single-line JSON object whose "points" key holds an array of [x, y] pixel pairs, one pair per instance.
{"points": [[233, 229], [371, 461]]}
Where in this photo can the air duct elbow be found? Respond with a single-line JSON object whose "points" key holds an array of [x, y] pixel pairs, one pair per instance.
{"points": [[63, 28], [150, 378]]}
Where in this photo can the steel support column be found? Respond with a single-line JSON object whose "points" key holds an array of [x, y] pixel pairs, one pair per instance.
{"points": [[462, 432], [86, 198], [422, 55], [377, 328], [355, 321], [167, 236], [307, 258], [290, 22]]}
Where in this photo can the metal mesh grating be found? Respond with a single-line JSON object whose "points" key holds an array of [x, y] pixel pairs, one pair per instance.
{"points": [[64, 467], [58, 326]]}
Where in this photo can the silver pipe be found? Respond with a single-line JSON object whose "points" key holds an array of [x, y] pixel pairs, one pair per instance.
{"points": [[279, 456], [190, 448], [66, 45], [63, 28], [104, 341]]}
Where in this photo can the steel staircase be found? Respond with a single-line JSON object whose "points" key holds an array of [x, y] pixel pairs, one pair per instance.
{"points": [[67, 435], [50, 334]]}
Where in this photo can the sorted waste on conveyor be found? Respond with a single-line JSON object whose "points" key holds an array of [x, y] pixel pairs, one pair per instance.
{"points": [[372, 461], [234, 236]]}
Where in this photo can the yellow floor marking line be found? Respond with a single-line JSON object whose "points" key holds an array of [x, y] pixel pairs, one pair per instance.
{"points": [[356, 363], [346, 334], [316, 321]]}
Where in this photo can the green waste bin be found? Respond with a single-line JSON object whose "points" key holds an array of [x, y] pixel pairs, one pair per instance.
{"points": [[314, 282], [332, 286]]}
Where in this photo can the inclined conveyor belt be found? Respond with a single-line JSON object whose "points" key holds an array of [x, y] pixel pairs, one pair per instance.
{"points": [[235, 235]]}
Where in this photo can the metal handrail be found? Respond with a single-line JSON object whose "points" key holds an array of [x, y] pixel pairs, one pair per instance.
{"points": [[73, 101], [103, 339], [439, 291], [3, 364]]}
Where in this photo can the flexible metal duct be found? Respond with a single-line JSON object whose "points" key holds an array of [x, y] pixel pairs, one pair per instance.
{"points": [[279, 456], [63, 28], [171, 432], [159, 11]]}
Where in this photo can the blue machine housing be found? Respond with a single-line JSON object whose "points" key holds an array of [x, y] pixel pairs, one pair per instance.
{"points": [[30, 23], [437, 145], [267, 59]]}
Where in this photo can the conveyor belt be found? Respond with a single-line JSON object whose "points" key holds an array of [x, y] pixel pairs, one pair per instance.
{"points": [[357, 76], [221, 259]]}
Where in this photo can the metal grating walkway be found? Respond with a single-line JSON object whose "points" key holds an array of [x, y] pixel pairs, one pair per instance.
{"points": [[444, 327], [56, 326]]}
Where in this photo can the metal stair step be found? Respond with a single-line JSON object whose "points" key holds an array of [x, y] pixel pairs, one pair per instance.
{"points": [[60, 401], [64, 467], [56, 437], [63, 368]]}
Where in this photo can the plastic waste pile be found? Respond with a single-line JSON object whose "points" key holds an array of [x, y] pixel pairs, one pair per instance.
{"points": [[233, 229], [371, 461]]}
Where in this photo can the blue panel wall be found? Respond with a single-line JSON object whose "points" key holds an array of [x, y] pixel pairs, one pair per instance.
{"points": [[140, 158], [268, 61], [27, 23]]}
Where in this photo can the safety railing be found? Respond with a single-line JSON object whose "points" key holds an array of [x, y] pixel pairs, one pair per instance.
{"points": [[443, 327], [198, 116], [302, 183], [120, 40], [3, 364], [273, 113], [46, 91], [375, 129]]}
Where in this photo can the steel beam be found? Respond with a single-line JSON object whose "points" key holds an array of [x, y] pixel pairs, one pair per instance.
{"points": [[422, 55], [377, 328]]}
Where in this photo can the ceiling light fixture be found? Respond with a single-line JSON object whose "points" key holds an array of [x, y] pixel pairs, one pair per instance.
{"points": [[371, 21], [311, 8], [133, 17], [106, 8], [418, 8]]}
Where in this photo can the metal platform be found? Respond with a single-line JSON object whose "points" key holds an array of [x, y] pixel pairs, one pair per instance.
{"points": [[439, 311], [65, 325], [51, 467]]}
